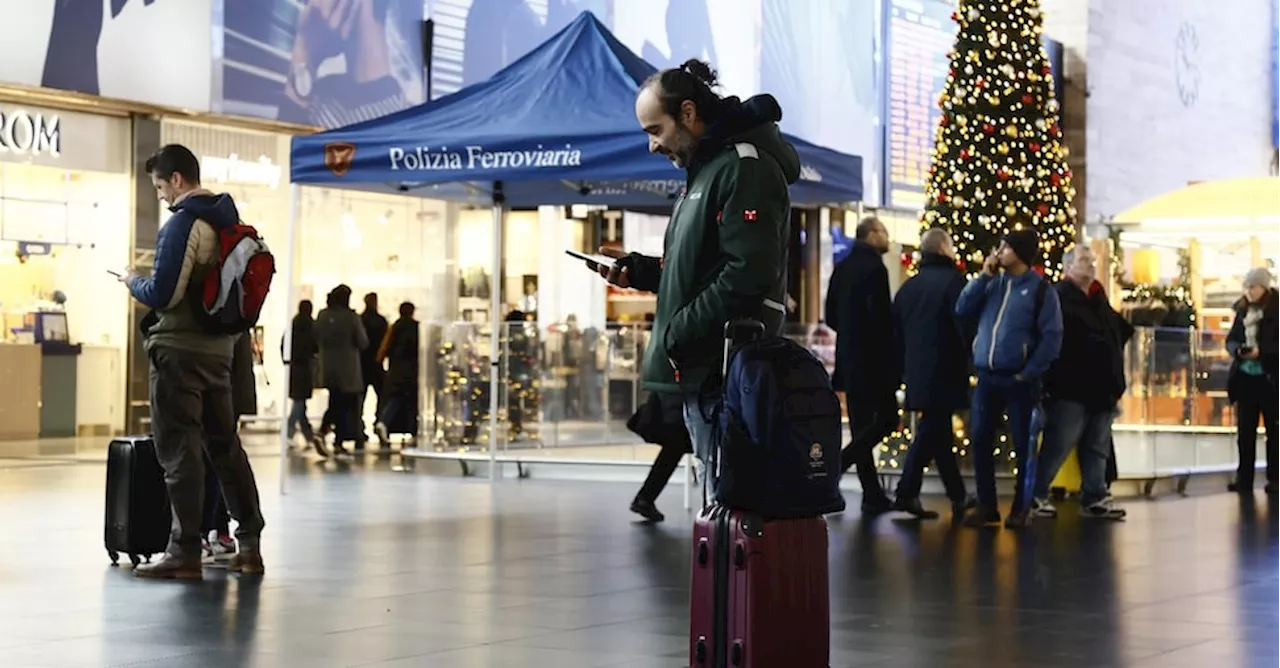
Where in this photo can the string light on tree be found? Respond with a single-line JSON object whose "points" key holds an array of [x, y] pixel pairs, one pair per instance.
{"points": [[998, 161]]}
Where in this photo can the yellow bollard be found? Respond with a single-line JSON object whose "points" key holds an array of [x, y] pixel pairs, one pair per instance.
{"points": [[1068, 477]]}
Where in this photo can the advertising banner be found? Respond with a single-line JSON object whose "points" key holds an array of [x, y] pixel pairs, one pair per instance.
{"points": [[328, 63], [153, 51]]}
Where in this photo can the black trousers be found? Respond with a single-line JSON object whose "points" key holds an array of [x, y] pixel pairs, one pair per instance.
{"points": [[1256, 397], [216, 517], [870, 424], [664, 465], [343, 416], [933, 442]]}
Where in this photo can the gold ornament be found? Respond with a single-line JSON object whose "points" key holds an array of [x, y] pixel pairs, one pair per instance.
{"points": [[1010, 209], [1012, 131], [1003, 149], [962, 120]]}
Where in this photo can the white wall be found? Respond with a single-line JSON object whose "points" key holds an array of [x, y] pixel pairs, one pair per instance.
{"points": [[1143, 138]]}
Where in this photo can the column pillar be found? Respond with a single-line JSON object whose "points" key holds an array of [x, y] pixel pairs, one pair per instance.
{"points": [[145, 141]]}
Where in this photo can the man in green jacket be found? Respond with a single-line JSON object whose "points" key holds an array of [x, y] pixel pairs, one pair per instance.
{"points": [[724, 255]]}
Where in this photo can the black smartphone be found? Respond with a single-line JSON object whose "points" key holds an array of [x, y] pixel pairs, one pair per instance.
{"points": [[594, 262]]}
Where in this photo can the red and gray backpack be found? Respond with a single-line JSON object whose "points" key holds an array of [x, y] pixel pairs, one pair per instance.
{"points": [[233, 293]]}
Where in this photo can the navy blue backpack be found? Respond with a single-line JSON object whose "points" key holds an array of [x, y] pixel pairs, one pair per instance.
{"points": [[778, 432]]}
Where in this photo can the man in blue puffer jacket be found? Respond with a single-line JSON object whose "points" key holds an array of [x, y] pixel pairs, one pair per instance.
{"points": [[1019, 336]]}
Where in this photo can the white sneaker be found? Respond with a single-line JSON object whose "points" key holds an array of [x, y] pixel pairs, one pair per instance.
{"points": [[1042, 508], [384, 438], [1103, 510], [218, 549]]}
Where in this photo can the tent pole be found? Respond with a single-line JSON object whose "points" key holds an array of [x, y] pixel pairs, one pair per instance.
{"points": [[286, 351], [495, 324]]}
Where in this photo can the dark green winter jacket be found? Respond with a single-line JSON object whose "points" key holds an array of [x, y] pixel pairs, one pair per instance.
{"points": [[724, 255]]}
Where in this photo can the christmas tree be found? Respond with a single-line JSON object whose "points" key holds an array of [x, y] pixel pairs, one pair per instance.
{"points": [[998, 159]]}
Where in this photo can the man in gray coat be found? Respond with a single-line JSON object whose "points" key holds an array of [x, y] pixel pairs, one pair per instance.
{"points": [[341, 336]]}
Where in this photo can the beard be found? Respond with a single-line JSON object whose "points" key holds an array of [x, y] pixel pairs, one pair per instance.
{"points": [[681, 153]]}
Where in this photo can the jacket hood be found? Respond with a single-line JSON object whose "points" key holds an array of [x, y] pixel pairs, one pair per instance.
{"points": [[754, 121], [217, 210]]}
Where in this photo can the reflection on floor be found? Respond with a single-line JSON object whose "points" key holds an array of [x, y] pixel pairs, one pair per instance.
{"points": [[367, 566]]}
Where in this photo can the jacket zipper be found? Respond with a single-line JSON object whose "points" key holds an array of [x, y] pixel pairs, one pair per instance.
{"points": [[995, 331]]}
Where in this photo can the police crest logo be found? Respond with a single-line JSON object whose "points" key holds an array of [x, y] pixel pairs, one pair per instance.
{"points": [[815, 451], [338, 157]]}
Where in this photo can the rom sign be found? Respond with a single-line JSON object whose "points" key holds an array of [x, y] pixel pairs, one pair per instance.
{"points": [[29, 134]]}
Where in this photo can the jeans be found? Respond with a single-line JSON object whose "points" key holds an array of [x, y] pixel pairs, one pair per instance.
{"points": [[870, 424], [1257, 398], [701, 432], [191, 416], [298, 419], [933, 442], [1070, 424], [998, 394]]}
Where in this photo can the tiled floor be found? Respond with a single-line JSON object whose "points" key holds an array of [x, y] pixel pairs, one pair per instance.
{"points": [[367, 566]]}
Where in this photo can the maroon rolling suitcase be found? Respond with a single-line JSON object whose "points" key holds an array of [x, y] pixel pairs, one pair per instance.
{"points": [[759, 595]]}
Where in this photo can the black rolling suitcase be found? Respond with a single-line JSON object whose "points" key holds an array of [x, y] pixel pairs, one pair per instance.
{"points": [[138, 516]]}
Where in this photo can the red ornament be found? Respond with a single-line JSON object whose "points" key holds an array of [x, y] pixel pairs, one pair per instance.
{"points": [[1035, 148], [1003, 174], [1039, 269], [964, 154], [906, 259], [955, 16], [942, 197], [1042, 209], [988, 128], [942, 122], [980, 83], [1027, 99], [1055, 179], [1046, 70]]}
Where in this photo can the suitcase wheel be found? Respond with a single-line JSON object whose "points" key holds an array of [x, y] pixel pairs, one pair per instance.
{"points": [[115, 557], [135, 559]]}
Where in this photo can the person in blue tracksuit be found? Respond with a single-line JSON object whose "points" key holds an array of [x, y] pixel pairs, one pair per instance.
{"points": [[1019, 336]]}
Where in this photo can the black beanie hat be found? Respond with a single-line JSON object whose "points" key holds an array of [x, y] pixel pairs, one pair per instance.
{"points": [[1025, 244]]}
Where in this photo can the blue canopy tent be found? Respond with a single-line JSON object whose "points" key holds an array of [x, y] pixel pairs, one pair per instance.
{"points": [[555, 127]]}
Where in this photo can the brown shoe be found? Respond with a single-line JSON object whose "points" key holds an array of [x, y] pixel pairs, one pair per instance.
{"points": [[169, 567], [246, 563]]}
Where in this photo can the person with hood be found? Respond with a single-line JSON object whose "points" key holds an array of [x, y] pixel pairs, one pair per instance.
{"points": [[400, 350], [1019, 335], [1251, 384], [858, 309], [932, 344], [302, 372], [1082, 388], [340, 337], [192, 411], [724, 255]]}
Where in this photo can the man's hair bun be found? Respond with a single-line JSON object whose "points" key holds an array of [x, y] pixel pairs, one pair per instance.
{"points": [[701, 71]]}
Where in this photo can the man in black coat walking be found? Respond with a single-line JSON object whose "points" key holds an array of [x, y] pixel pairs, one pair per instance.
{"points": [[858, 309], [933, 349], [1082, 389]]}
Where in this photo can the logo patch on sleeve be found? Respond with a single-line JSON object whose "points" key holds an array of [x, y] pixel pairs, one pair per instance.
{"points": [[749, 215]]}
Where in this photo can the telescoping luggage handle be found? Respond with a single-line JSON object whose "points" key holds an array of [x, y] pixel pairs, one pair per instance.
{"points": [[736, 333]]}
